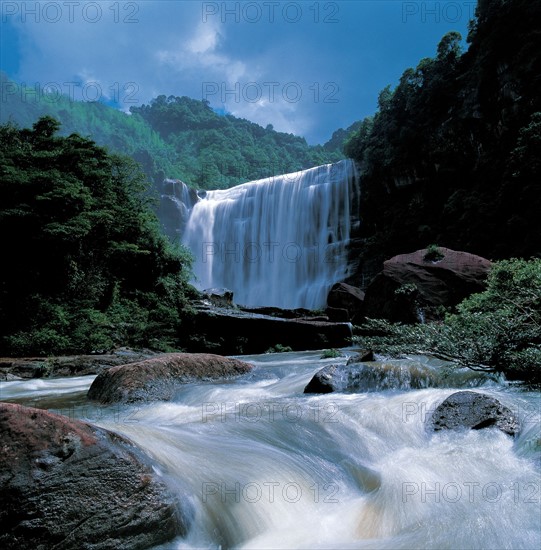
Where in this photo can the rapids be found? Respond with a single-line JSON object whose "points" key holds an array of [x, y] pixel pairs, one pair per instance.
{"points": [[266, 466]]}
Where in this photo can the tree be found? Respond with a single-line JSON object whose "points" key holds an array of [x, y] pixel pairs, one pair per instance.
{"points": [[85, 264]]}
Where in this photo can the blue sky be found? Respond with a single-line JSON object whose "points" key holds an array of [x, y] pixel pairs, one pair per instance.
{"points": [[306, 67]]}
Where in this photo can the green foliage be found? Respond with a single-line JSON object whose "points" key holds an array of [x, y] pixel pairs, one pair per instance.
{"points": [[221, 151], [496, 330], [279, 348], [331, 354], [175, 137], [85, 265], [433, 253], [407, 289]]}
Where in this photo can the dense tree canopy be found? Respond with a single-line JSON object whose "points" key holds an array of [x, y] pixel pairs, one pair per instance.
{"points": [[174, 137], [452, 155], [85, 266], [218, 151]]}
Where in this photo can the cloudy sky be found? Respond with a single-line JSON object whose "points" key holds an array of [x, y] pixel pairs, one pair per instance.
{"points": [[306, 67]]}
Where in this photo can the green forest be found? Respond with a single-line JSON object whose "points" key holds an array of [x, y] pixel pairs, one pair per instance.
{"points": [[453, 154], [173, 137], [85, 265]]}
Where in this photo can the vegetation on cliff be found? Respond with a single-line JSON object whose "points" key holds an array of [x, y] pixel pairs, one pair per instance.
{"points": [[453, 154], [498, 330], [85, 266]]}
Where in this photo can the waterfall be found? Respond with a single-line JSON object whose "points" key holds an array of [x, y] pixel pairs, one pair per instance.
{"points": [[279, 241]]}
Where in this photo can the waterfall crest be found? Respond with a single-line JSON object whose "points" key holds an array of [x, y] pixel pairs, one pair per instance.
{"points": [[279, 241]]}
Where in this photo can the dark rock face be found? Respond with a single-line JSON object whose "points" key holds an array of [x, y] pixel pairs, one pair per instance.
{"points": [[69, 485], [251, 332], [159, 378], [344, 296], [411, 288], [176, 202], [467, 409], [337, 315]]}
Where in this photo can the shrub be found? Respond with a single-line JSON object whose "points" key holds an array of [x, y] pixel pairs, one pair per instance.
{"points": [[278, 348], [497, 330], [433, 253]]}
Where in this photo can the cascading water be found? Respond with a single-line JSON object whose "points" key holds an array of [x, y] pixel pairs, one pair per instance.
{"points": [[279, 241], [268, 467]]}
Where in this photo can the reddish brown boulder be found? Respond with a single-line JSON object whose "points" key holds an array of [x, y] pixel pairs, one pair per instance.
{"points": [[69, 485], [344, 296], [411, 288], [159, 378]]}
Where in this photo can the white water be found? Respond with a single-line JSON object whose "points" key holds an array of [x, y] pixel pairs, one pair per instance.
{"points": [[279, 241], [267, 467]]}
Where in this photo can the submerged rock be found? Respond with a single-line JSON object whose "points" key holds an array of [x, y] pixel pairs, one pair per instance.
{"points": [[467, 409], [159, 378], [69, 485], [355, 377]]}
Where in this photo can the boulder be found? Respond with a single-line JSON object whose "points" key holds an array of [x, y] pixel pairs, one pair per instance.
{"points": [[158, 379], [412, 287], [69, 485], [358, 377], [362, 377], [344, 296], [467, 409]]}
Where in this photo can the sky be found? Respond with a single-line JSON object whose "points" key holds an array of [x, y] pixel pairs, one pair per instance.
{"points": [[306, 67]]}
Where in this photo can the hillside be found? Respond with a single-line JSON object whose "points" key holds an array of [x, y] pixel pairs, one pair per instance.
{"points": [[174, 137]]}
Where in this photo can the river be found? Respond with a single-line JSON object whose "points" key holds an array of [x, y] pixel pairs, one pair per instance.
{"points": [[266, 466]]}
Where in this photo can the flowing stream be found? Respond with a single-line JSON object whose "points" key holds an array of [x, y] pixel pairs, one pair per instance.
{"points": [[280, 241], [266, 466]]}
